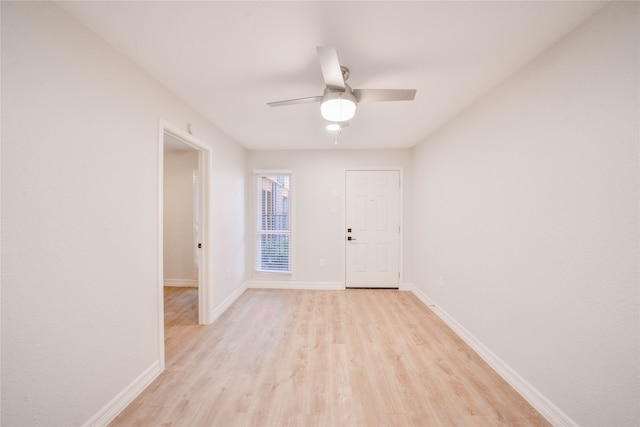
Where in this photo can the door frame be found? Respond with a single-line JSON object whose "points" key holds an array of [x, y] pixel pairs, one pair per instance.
{"points": [[400, 171], [205, 160]]}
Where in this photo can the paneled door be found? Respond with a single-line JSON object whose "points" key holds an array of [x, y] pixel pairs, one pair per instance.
{"points": [[372, 234]]}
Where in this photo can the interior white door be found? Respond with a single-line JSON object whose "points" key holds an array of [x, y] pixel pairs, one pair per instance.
{"points": [[372, 229]]}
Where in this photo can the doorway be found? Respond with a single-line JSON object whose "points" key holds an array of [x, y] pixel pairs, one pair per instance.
{"points": [[372, 220], [199, 205], [181, 216]]}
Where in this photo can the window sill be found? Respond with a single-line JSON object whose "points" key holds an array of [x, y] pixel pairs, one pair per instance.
{"points": [[272, 275]]}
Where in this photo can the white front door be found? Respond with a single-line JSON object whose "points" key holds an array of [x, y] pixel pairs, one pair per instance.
{"points": [[372, 229]]}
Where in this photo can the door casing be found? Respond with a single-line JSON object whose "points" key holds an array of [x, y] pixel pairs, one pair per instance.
{"points": [[204, 172]]}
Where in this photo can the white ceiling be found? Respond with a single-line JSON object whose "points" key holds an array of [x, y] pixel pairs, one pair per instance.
{"points": [[228, 59]]}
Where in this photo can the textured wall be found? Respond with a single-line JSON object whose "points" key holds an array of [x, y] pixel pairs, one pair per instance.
{"points": [[526, 220], [80, 233], [319, 183]]}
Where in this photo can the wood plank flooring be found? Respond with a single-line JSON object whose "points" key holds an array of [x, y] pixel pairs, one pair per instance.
{"points": [[321, 358]]}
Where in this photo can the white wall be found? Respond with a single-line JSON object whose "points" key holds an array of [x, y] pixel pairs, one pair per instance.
{"points": [[178, 231], [526, 212], [319, 182], [80, 231]]}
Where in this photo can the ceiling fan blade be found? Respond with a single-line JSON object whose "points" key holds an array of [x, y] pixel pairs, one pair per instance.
{"points": [[307, 100], [330, 65], [380, 95]]}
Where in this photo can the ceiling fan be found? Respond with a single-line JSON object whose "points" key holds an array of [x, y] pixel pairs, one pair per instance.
{"points": [[338, 103]]}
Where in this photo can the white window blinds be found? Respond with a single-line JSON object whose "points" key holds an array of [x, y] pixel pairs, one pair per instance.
{"points": [[273, 237]]}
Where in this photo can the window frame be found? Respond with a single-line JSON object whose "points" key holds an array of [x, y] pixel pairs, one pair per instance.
{"points": [[258, 221]]}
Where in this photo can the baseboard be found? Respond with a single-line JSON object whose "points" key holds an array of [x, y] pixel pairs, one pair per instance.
{"points": [[217, 311], [544, 406], [406, 287], [325, 286], [181, 283], [111, 410]]}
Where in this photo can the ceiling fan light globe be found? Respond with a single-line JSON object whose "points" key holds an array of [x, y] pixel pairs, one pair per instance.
{"points": [[338, 107]]}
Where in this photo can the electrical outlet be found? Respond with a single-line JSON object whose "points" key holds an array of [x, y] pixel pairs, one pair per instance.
{"points": [[440, 280], [321, 263]]}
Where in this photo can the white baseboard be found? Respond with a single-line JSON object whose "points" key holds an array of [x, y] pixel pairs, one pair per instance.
{"points": [[325, 286], [181, 283], [406, 287], [547, 409], [217, 311], [111, 410]]}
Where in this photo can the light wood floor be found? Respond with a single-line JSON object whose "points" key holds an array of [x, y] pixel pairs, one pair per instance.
{"points": [[321, 358]]}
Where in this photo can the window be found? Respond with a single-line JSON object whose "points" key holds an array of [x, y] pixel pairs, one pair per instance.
{"points": [[273, 223]]}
